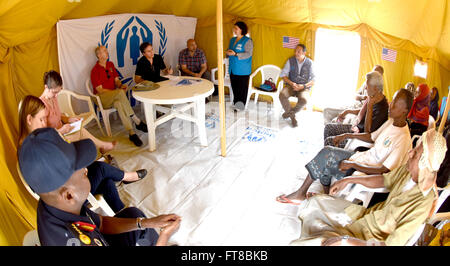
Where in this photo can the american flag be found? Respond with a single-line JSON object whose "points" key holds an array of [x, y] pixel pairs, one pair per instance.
{"points": [[290, 42], [388, 54]]}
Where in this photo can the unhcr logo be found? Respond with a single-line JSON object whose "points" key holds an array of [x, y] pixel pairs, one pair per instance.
{"points": [[131, 35]]}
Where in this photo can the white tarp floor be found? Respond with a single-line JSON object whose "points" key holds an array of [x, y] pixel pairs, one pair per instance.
{"points": [[223, 200]]}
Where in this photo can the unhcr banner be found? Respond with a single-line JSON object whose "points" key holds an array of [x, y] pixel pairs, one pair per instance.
{"points": [[121, 34]]}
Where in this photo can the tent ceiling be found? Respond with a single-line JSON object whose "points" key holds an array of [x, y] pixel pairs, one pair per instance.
{"points": [[423, 22]]}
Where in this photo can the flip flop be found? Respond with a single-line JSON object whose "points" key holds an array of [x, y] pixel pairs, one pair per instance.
{"points": [[284, 199]]}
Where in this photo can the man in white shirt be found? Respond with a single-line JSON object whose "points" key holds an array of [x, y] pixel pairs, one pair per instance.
{"points": [[391, 144]]}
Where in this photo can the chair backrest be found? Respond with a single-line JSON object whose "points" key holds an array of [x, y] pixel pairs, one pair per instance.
{"points": [[36, 196], [431, 122], [89, 89], [270, 71], [226, 70], [65, 102]]}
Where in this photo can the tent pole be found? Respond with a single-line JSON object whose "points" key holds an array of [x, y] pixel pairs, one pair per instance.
{"points": [[219, 29], [444, 115]]}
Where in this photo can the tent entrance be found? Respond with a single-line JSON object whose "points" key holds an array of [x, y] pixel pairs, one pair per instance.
{"points": [[336, 65]]}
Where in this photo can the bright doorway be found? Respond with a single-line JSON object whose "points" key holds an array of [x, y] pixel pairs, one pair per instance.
{"points": [[336, 67]]}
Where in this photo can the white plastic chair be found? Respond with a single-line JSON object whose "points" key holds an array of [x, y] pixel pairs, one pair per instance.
{"points": [[352, 144], [31, 239], [178, 69], [359, 192], [105, 112], [267, 72], [97, 203], [226, 78], [65, 104]]}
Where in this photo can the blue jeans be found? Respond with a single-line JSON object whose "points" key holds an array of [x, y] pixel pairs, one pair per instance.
{"points": [[103, 177]]}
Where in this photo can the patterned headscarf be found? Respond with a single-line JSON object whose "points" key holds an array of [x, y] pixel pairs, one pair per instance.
{"points": [[434, 149], [420, 110]]}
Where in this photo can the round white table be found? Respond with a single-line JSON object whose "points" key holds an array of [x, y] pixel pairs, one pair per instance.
{"points": [[191, 96]]}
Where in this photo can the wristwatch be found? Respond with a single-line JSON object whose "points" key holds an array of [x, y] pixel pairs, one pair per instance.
{"points": [[344, 240]]}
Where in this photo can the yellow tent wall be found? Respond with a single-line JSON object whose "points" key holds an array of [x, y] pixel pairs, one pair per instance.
{"points": [[417, 29]]}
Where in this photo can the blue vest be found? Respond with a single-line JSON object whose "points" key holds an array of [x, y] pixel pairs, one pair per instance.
{"points": [[304, 75], [239, 67]]}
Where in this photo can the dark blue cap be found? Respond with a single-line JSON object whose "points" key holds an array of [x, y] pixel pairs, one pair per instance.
{"points": [[47, 161]]}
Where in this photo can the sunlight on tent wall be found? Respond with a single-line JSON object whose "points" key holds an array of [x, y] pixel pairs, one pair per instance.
{"points": [[336, 66]]}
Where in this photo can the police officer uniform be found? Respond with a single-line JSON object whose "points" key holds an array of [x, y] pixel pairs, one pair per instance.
{"points": [[47, 161]]}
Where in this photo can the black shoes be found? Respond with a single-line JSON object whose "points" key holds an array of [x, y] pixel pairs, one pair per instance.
{"points": [[141, 174], [136, 140], [142, 127]]}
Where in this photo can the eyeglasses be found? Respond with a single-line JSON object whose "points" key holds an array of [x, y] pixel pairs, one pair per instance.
{"points": [[107, 73]]}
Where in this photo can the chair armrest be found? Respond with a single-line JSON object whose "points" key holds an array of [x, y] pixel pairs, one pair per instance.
{"points": [[438, 217], [280, 84], [360, 188], [213, 74]]}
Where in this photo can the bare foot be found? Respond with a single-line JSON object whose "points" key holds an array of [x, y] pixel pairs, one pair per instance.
{"points": [[108, 147], [297, 195]]}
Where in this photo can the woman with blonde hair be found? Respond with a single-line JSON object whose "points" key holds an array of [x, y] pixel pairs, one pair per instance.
{"points": [[102, 176], [55, 119]]}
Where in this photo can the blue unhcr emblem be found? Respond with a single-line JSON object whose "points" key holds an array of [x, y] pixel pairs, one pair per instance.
{"points": [[134, 41]]}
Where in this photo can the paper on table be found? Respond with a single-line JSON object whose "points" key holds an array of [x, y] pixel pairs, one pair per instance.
{"points": [[76, 126]]}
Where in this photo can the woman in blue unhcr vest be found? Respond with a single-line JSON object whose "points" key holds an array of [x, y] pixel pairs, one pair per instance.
{"points": [[240, 52]]}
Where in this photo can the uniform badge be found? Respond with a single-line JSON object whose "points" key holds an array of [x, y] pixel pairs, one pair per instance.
{"points": [[98, 242], [386, 142], [85, 239]]}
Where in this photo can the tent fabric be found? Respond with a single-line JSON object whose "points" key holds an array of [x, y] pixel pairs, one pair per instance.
{"points": [[417, 29]]}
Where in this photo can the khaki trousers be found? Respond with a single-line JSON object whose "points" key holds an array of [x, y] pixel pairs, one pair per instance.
{"points": [[118, 99], [287, 92]]}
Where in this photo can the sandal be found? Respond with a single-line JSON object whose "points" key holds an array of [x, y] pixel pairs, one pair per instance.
{"points": [[284, 199]]}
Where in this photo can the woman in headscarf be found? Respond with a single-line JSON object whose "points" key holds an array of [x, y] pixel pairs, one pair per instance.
{"points": [[420, 110], [434, 103]]}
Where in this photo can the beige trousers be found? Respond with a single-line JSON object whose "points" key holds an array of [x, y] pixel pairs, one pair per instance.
{"points": [[118, 99]]}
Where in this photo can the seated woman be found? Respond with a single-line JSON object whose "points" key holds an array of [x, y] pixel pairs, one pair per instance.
{"points": [[434, 103], [55, 119], [102, 176], [420, 111]]}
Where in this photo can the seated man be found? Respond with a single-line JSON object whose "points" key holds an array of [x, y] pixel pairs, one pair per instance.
{"points": [[56, 171], [331, 114], [192, 61], [370, 117], [106, 84], [391, 144], [334, 221], [298, 77], [150, 65]]}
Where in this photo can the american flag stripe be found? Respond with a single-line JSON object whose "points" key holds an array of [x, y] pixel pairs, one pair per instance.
{"points": [[389, 54], [290, 42]]}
